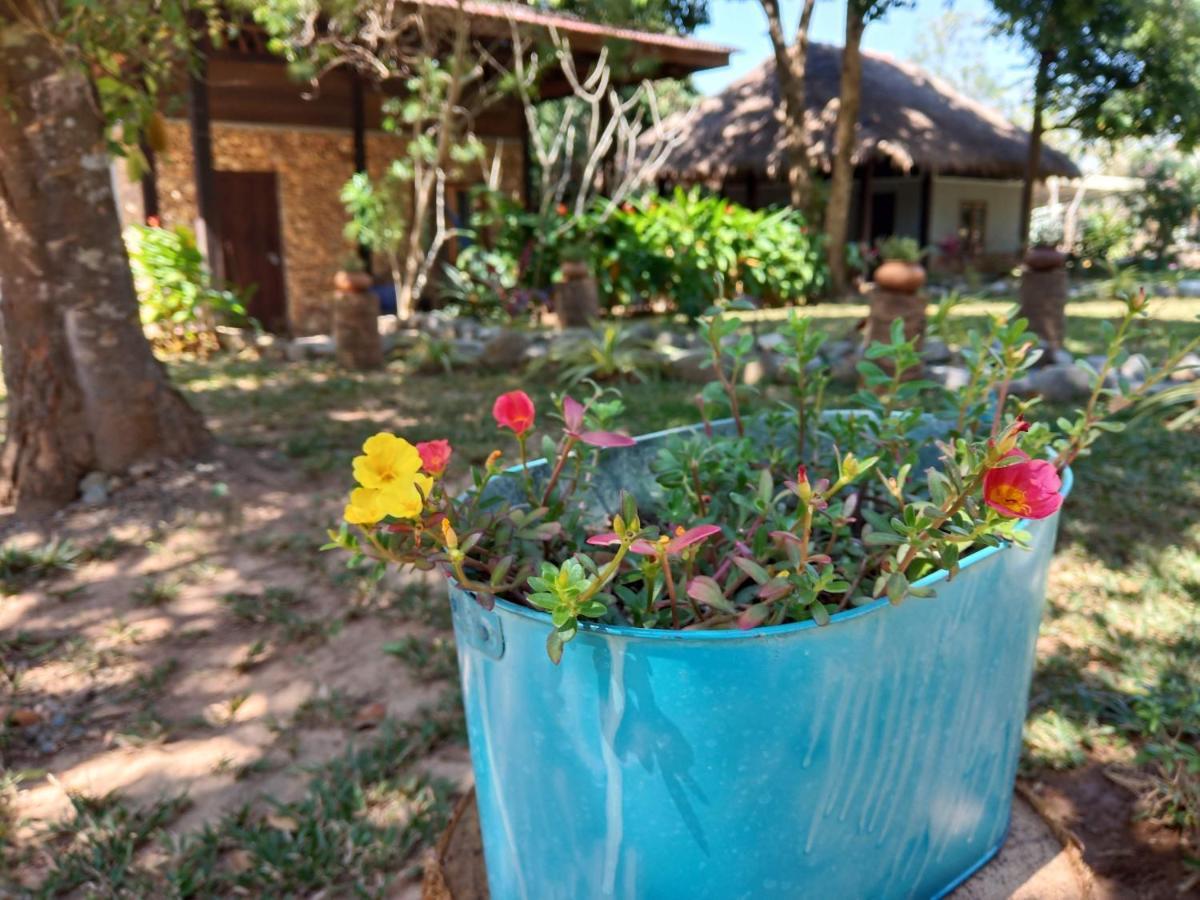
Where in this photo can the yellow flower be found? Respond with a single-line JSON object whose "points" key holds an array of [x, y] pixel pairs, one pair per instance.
{"points": [[391, 482], [364, 507]]}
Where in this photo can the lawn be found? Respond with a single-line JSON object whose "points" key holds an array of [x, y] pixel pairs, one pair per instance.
{"points": [[202, 704]]}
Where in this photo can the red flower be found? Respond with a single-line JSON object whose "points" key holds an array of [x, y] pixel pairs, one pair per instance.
{"points": [[561, 209], [434, 456], [514, 410], [1028, 489], [573, 412]]}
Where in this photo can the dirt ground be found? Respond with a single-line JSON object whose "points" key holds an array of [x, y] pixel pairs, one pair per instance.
{"points": [[201, 644]]}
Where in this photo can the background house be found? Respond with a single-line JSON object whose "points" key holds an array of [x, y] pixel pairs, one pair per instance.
{"points": [[257, 160], [932, 164]]}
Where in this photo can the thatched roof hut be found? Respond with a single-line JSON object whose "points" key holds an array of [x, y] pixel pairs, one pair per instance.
{"points": [[908, 119]]}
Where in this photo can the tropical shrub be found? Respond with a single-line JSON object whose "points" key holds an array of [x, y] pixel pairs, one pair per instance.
{"points": [[178, 302], [784, 514], [609, 354]]}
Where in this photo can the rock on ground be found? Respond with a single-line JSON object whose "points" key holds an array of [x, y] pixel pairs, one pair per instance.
{"points": [[1032, 865]]}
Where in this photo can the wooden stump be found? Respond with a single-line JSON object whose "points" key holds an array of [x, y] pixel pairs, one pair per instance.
{"points": [[1044, 304], [454, 869], [356, 331], [1036, 862]]}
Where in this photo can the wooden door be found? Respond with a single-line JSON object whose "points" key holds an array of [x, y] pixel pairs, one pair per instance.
{"points": [[883, 215], [248, 216]]}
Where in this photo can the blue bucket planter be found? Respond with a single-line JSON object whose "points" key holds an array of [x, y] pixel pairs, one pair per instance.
{"points": [[871, 758]]}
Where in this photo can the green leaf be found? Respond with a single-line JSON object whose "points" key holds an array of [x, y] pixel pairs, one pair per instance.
{"points": [[897, 587], [756, 572]]}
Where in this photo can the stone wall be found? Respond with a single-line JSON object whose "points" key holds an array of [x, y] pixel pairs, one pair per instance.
{"points": [[311, 166]]}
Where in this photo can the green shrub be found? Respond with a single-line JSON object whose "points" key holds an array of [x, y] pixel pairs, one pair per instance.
{"points": [[695, 249], [690, 248], [1166, 206], [902, 249], [1105, 235], [176, 295]]}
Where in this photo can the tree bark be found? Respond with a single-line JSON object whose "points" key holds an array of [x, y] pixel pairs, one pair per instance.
{"points": [[1033, 162], [790, 65], [837, 212], [84, 390]]}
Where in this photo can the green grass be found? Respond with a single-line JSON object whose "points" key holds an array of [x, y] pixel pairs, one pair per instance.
{"points": [[1116, 682], [355, 832]]}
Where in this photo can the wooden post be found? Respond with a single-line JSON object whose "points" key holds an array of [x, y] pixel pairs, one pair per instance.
{"points": [[359, 126], [526, 167], [149, 185], [865, 189], [207, 217], [926, 208]]}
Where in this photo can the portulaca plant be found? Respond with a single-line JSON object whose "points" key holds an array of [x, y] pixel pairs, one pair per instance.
{"points": [[784, 514]]}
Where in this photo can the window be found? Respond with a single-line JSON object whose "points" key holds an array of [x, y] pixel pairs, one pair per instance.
{"points": [[972, 225]]}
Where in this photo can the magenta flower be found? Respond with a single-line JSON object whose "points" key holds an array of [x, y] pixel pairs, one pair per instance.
{"points": [[1025, 490], [573, 412], [670, 546]]}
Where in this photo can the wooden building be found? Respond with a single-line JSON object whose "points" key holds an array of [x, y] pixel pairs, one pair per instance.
{"points": [[255, 160]]}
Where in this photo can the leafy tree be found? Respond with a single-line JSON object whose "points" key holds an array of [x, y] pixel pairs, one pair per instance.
{"points": [[938, 51], [1111, 69], [680, 16], [790, 62], [77, 80], [859, 13]]}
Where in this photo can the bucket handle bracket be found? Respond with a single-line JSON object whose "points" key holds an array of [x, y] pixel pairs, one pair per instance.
{"points": [[479, 627]]}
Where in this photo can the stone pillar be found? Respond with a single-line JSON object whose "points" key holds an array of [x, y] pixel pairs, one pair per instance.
{"points": [[577, 299], [1044, 303], [886, 307], [356, 330]]}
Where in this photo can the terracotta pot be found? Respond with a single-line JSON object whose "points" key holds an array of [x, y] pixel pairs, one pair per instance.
{"points": [[573, 270], [900, 277], [1043, 259], [351, 282]]}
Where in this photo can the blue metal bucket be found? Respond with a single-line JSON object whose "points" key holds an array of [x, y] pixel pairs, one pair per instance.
{"points": [[874, 757]]}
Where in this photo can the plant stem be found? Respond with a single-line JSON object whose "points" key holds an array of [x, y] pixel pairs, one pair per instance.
{"points": [[700, 505], [669, 580], [730, 391], [568, 443], [525, 469]]}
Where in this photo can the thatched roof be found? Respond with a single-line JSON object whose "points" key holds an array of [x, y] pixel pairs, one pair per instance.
{"points": [[907, 117]]}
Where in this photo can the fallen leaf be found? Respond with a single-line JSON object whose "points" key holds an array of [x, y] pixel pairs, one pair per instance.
{"points": [[23, 718], [370, 715]]}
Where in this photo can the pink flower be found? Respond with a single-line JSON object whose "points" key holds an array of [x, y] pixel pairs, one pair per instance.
{"points": [[1028, 489], [514, 410], [573, 412], [672, 547], [434, 456]]}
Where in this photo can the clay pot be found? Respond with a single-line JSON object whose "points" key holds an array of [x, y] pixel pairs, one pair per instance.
{"points": [[1043, 259], [574, 270], [351, 282], [899, 277]]}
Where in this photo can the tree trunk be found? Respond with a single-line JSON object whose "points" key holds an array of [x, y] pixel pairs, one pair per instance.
{"points": [[84, 390], [1033, 162], [790, 65], [837, 212]]}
